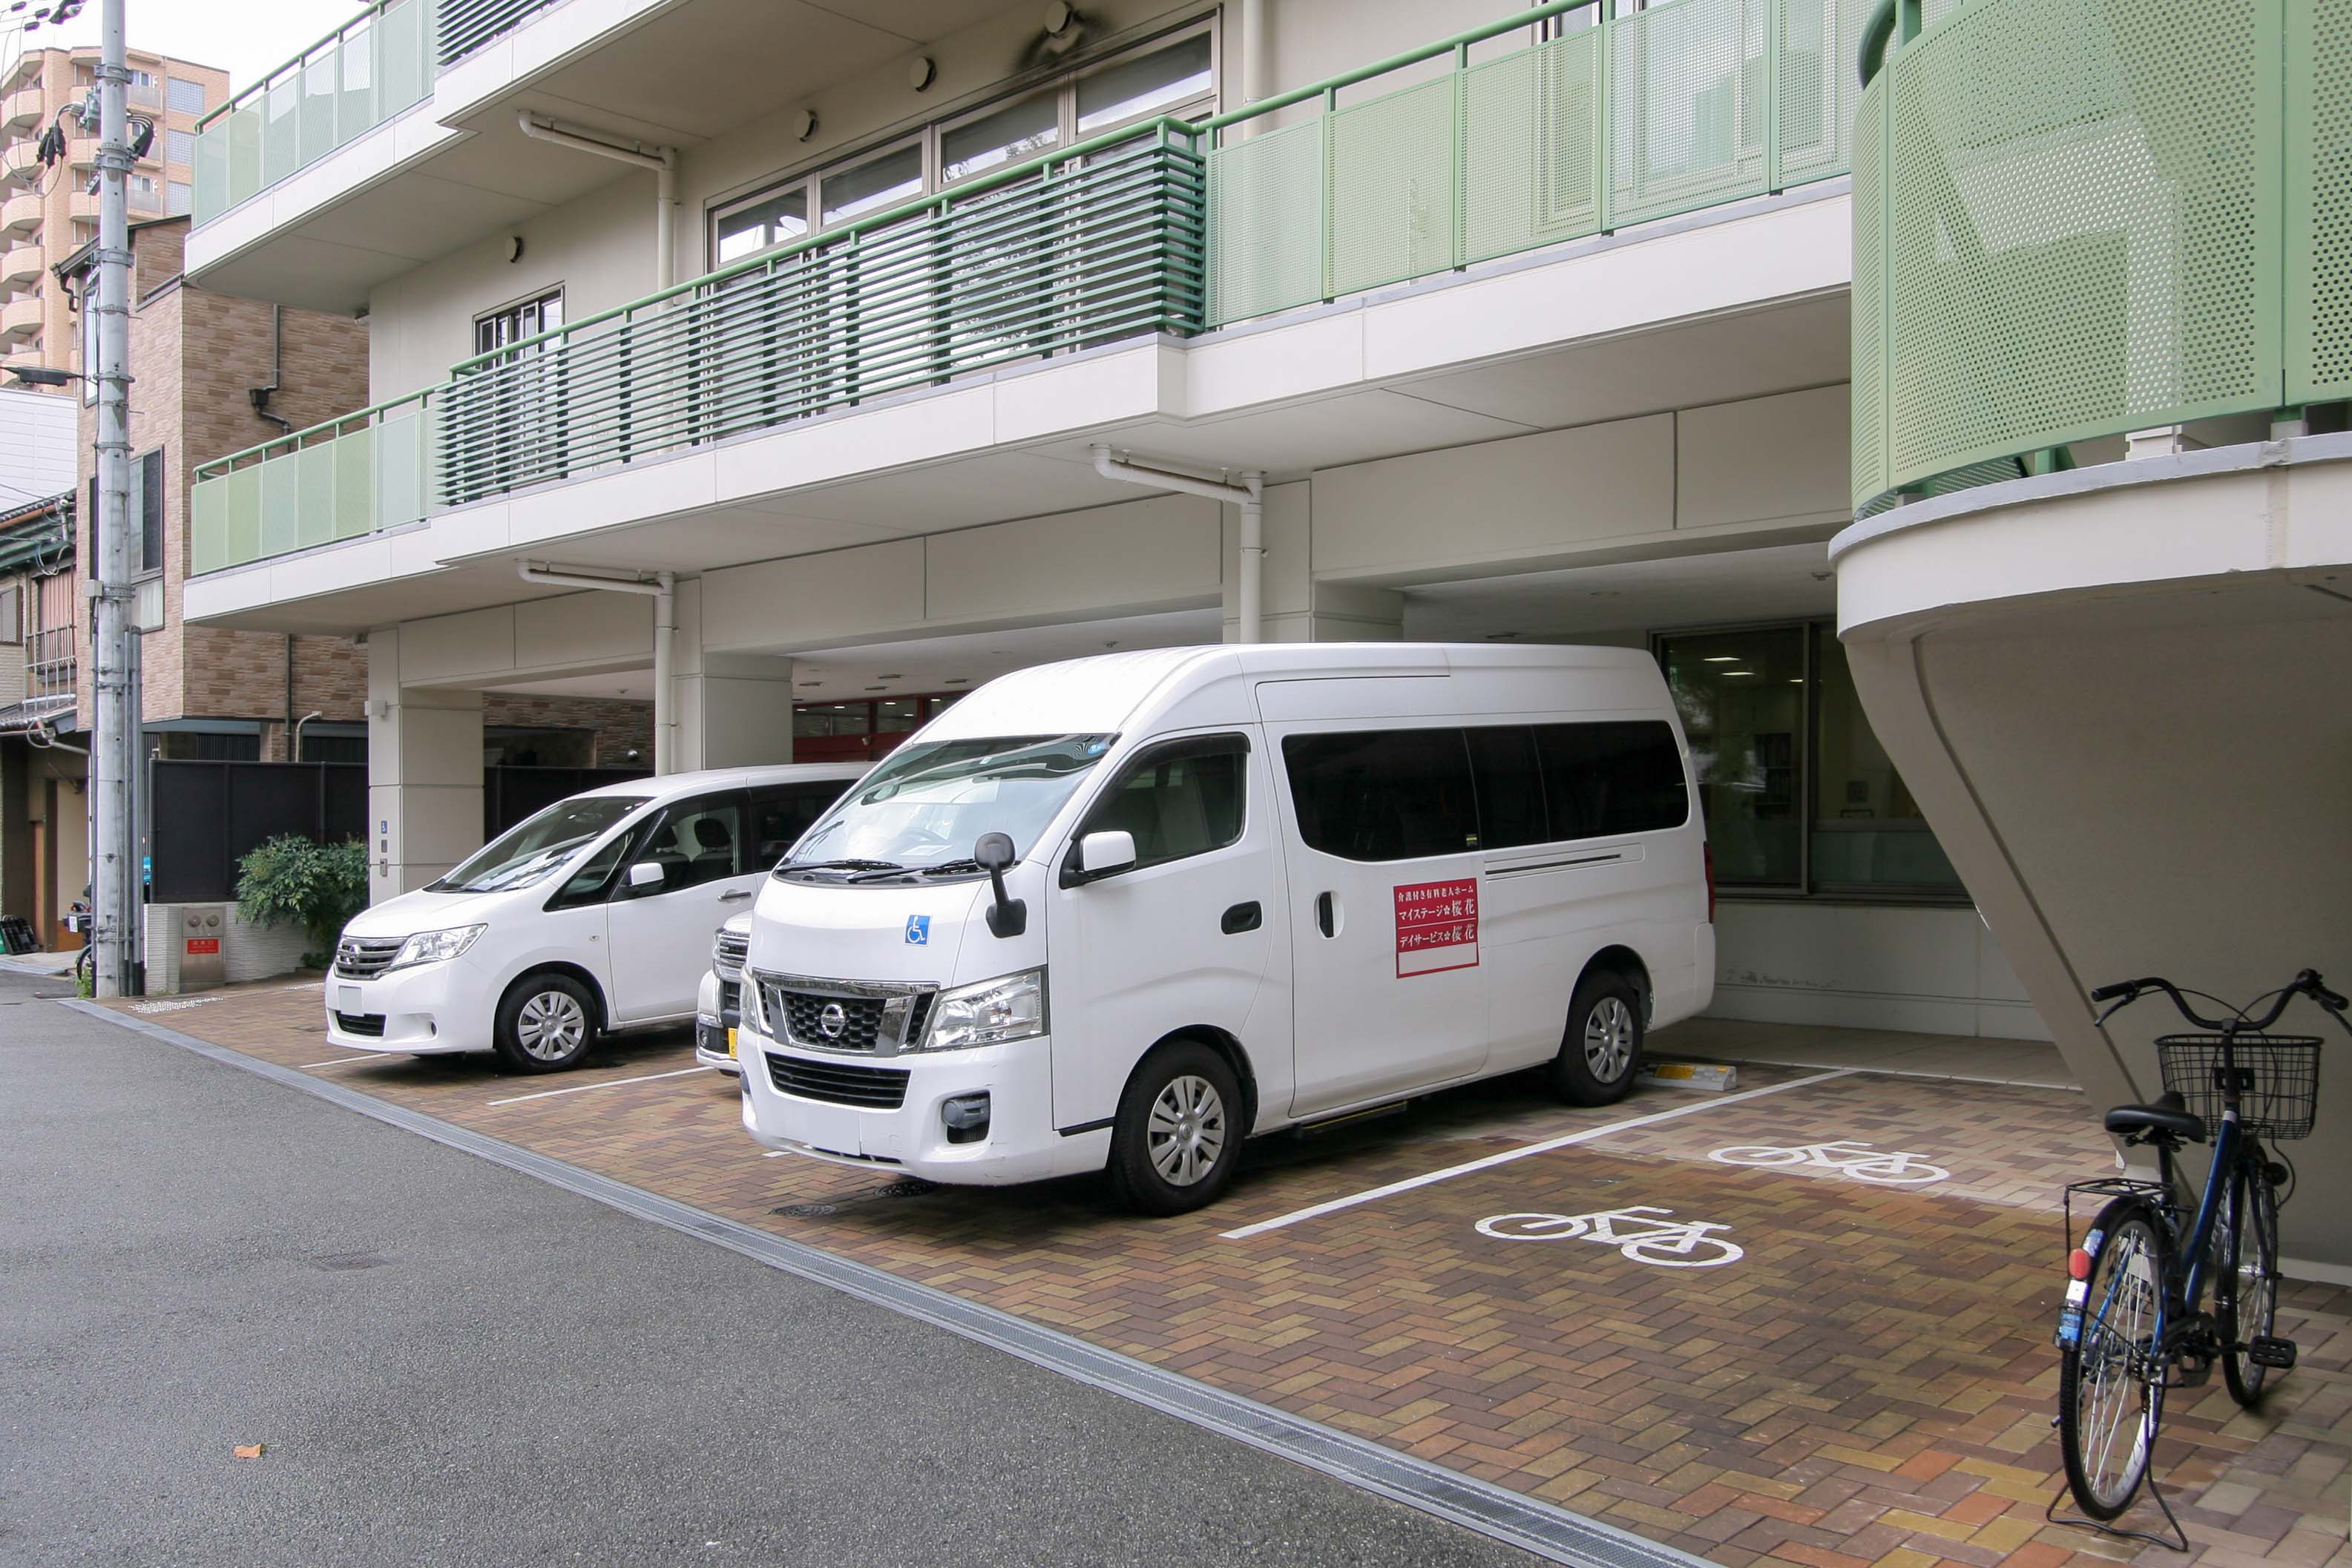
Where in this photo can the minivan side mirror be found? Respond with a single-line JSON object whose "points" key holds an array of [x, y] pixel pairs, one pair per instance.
{"points": [[993, 853], [1098, 855], [645, 874]]}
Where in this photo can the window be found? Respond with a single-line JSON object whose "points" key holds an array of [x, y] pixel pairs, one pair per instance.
{"points": [[780, 813], [183, 97], [700, 839], [180, 147], [535, 849], [147, 492], [593, 879], [179, 198], [1868, 833], [318, 747], [1510, 787], [1179, 799], [1174, 76], [813, 719], [1389, 795], [528, 319], [1605, 779], [12, 614], [1797, 794]]}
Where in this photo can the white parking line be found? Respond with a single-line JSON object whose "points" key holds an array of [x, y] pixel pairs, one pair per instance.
{"points": [[1508, 1156], [340, 1060], [608, 1083]]}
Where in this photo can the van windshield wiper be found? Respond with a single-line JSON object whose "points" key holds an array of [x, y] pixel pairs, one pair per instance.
{"points": [[852, 864], [963, 867]]}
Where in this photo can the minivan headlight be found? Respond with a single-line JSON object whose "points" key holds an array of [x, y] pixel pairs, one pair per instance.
{"points": [[989, 1013], [433, 947]]}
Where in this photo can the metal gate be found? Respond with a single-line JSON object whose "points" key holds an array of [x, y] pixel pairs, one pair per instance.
{"points": [[205, 816]]}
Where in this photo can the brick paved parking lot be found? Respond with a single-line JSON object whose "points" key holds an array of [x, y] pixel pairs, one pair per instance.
{"points": [[1759, 1363]]}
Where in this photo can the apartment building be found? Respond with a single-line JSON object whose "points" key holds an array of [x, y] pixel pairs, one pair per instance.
{"points": [[904, 348], [48, 211], [44, 787]]}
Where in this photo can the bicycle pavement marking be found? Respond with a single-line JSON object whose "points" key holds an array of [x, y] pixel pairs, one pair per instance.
{"points": [[1584, 1136]]}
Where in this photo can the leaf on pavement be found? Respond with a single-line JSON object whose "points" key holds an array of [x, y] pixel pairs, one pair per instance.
{"points": [[250, 1451]]}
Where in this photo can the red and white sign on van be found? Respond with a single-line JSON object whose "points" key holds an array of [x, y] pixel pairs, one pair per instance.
{"points": [[1436, 926]]}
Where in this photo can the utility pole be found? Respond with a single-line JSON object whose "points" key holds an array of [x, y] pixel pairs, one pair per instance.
{"points": [[115, 879]]}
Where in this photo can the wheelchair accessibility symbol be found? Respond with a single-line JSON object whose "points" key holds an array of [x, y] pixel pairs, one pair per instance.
{"points": [[918, 930]]}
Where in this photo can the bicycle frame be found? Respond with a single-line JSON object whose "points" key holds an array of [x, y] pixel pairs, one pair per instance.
{"points": [[2188, 1284]]}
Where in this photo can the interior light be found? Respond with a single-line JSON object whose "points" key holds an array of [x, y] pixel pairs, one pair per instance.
{"points": [[1728, 673], [1722, 659]]}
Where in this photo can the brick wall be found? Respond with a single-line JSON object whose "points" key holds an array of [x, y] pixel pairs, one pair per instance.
{"points": [[620, 725], [193, 355]]}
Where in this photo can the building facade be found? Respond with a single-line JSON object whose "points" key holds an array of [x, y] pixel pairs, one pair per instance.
{"points": [[47, 212]]}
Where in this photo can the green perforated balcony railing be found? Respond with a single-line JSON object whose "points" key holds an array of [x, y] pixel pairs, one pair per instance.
{"points": [[2080, 218], [1456, 156], [352, 80], [369, 470]]}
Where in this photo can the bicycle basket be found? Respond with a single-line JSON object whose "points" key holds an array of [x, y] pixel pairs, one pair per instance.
{"points": [[2278, 1079]]}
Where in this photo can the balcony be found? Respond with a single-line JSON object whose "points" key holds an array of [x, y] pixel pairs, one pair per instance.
{"points": [[349, 82], [1169, 230], [2126, 243], [20, 320], [20, 215], [21, 110], [21, 265], [369, 470], [50, 662]]}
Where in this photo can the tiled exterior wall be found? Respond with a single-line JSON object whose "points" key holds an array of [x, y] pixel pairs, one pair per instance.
{"points": [[194, 356], [620, 725]]}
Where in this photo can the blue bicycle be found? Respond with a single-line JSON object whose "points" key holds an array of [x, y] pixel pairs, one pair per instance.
{"points": [[2135, 1323]]}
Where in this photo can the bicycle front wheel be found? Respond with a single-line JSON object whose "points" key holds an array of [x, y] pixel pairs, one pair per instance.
{"points": [[2110, 1380], [2246, 1279]]}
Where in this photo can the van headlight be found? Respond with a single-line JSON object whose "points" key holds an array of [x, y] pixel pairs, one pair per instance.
{"points": [[434, 946], [989, 1013]]}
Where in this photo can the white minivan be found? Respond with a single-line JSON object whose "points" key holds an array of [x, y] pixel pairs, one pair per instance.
{"points": [[1124, 911], [595, 915]]}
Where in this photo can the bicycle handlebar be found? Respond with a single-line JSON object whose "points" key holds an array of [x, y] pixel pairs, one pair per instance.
{"points": [[2306, 984]]}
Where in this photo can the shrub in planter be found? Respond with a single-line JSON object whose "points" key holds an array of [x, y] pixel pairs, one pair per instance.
{"points": [[296, 881]]}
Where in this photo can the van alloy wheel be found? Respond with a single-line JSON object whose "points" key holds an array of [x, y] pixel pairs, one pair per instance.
{"points": [[1609, 1039], [551, 1026], [1187, 1130]]}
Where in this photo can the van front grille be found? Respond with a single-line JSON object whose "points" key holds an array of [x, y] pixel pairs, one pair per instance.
{"points": [[839, 1082], [727, 951], [365, 957], [867, 1018]]}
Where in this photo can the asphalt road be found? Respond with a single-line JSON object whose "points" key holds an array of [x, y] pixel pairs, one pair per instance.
{"points": [[450, 1363]]}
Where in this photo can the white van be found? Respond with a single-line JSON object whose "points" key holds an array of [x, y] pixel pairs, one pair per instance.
{"points": [[595, 915], [1126, 911]]}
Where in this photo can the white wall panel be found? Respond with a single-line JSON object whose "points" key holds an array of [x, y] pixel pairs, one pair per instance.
{"points": [[1767, 459], [1141, 553]]}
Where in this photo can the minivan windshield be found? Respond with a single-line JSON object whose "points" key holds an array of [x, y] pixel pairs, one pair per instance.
{"points": [[540, 846], [926, 805]]}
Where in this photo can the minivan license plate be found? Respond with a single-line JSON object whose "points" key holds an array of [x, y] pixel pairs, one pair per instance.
{"points": [[347, 1000]]}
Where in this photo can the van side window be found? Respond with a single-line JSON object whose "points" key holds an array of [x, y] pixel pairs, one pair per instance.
{"points": [[1383, 795], [1510, 787], [700, 839], [587, 884], [1623, 776], [780, 813], [1179, 799]]}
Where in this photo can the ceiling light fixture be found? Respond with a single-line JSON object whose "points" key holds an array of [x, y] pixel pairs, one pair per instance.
{"points": [[1722, 658], [1728, 673]]}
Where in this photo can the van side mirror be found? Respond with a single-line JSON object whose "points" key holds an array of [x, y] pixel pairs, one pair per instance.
{"points": [[993, 853], [645, 874], [1098, 855]]}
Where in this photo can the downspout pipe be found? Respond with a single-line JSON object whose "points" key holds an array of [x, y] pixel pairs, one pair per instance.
{"points": [[663, 591], [662, 161], [1249, 496]]}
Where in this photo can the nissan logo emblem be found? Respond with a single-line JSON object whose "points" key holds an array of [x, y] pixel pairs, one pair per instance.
{"points": [[832, 1020]]}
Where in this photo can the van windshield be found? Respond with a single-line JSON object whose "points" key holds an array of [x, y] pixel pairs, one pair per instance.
{"points": [[541, 845], [928, 802]]}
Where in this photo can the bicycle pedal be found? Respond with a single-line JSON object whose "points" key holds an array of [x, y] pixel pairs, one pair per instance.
{"points": [[2266, 1351]]}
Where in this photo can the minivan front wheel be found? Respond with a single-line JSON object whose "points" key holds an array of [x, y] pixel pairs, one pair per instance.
{"points": [[546, 1023], [1178, 1135], [1601, 1050]]}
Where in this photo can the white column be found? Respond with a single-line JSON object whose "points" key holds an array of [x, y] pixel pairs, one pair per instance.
{"points": [[1294, 607], [424, 775], [734, 710]]}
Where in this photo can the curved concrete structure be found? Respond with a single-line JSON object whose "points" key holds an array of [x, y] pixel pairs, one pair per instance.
{"points": [[2118, 694]]}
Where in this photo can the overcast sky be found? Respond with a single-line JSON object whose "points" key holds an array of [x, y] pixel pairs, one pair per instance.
{"points": [[246, 37]]}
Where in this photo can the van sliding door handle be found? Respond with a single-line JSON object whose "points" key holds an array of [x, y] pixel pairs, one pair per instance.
{"points": [[1323, 921], [735, 895], [1240, 917]]}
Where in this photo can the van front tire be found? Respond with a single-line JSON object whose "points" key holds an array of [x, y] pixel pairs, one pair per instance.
{"points": [[1601, 1050], [546, 1023], [1178, 1135]]}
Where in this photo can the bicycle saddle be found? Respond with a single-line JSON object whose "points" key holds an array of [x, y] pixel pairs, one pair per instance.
{"points": [[2169, 1114]]}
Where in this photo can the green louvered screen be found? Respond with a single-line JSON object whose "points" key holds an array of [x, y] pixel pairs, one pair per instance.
{"points": [[1265, 223], [1391, 187], [1819, 87], [2081, 210], [2319, 200]]}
